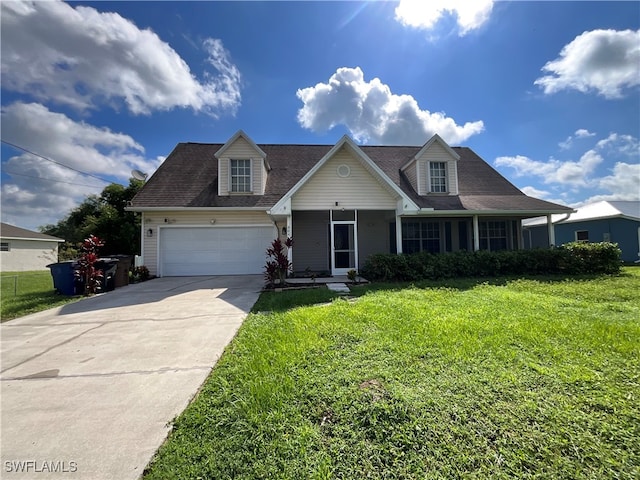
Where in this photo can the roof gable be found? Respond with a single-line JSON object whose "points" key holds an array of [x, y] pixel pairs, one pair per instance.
{"points": [[435, 139], [232, 140], [283, 205]]}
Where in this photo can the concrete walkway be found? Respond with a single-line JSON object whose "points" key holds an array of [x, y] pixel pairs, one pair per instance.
{"points": [[88, 389]]}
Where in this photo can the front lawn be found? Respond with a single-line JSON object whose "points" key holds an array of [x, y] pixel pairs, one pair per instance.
{"points": [[28, 292], [500, 379]]}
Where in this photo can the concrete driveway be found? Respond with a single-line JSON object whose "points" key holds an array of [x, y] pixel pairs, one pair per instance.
{"points": [[88, 389]]}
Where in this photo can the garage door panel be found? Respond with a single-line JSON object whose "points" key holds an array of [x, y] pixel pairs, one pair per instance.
{"points": [[214, 250]]}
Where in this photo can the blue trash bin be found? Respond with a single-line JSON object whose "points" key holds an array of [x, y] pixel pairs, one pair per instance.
{"points": [[63, 279]]}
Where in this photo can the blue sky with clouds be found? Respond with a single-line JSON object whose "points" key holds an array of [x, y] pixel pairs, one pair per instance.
{"points": [[546, 92]]}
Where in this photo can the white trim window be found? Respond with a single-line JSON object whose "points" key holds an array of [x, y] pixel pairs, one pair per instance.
{"points": [[5, 247], [493, 235], [438, 177], [240, 176], [420, 236]]}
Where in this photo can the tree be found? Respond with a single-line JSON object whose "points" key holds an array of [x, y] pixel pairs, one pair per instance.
{"points": [[105, 217]]}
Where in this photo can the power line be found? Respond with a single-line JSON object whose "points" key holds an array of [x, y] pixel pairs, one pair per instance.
{"points": [[50, 179], [53, 161]]}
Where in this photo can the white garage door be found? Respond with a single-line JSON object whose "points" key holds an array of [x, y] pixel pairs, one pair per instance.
{"points": [[214, 250]]}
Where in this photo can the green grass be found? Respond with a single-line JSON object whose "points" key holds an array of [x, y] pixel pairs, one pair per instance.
{"points": [[280, 301], [28, 292], [503, 379]]}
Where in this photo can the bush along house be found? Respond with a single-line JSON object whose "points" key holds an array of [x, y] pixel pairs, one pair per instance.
{"points": [[214, 209]]}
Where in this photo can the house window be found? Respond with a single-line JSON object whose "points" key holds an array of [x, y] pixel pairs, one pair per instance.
{"points": [[241, 175], [438, 177], [5, 247], [420, 236], [582, 235], [493, 235]]}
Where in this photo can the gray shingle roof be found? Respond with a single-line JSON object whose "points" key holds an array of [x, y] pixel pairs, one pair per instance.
{"points": [[189, 175], [11, 231]]}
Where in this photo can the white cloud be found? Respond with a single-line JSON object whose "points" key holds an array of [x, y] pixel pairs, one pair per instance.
{"points": [[554, 171], [606, 61], [580, 133], [469, 15], [80, 57], [620, 144], [583, 133], [621, 183], [41, 192], [373, 114], [624, 182], [542, 194]]}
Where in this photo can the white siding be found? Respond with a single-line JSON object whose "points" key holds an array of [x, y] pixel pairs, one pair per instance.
{"points": [[26, 255], [223, 176], [360, 190], [437, 153], [155, 220], [412, 175], [241, 149]]}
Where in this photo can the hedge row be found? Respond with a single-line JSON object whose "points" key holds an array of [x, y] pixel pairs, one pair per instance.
{"points": [[571, 259]]}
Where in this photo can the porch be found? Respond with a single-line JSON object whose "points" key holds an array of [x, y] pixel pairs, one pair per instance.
{"points": [[329, 243]]}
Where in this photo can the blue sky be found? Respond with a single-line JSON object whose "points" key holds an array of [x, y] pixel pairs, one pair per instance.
{"points": [[546, 92]]}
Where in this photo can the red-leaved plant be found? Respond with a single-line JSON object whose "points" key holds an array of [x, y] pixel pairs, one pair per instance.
{"points": [[86, 271], [278, 264]]}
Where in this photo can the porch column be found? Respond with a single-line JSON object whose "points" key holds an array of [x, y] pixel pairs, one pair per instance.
{"points": [[289, 235], [476, 234], [398, 234], [519, 234], [142, 249], [552, 231]]}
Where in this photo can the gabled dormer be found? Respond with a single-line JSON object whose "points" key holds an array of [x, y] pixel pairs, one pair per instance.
{"points": [[242, 167], [434, 169]]}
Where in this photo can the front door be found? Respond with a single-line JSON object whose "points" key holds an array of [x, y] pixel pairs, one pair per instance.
{"points": [[344, 242]]}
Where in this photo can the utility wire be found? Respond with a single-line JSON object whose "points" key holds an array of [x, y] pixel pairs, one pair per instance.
{"points": [[50, 179], [53, 161]]}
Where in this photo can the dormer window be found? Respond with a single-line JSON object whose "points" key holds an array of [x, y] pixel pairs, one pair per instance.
{"points": [[240, 177], [437, 177]]}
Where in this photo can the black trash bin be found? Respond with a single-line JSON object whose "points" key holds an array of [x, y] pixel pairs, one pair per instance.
{"points": [[63, 278], [122, 273], [108, 267]]}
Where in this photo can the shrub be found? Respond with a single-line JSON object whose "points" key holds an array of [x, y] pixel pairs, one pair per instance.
{"points": [[86, 272], [571, 259], [278, 265], [139, 274]]}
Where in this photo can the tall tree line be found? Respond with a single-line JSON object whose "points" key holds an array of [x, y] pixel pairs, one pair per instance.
{"points": [[102, 215]]}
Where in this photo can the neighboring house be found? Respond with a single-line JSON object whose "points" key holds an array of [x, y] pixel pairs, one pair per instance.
{"points": [[616, 221], [215, 208], [23, 250]]}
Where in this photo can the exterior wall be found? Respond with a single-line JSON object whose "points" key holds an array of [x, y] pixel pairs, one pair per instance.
{"points": [[26, 255], [622, 231], [437, 153], [311, 236], [241, 149], [537, 237], [412, 175], [156, 220], [360, 190], [312, 247], [373, 233]]}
